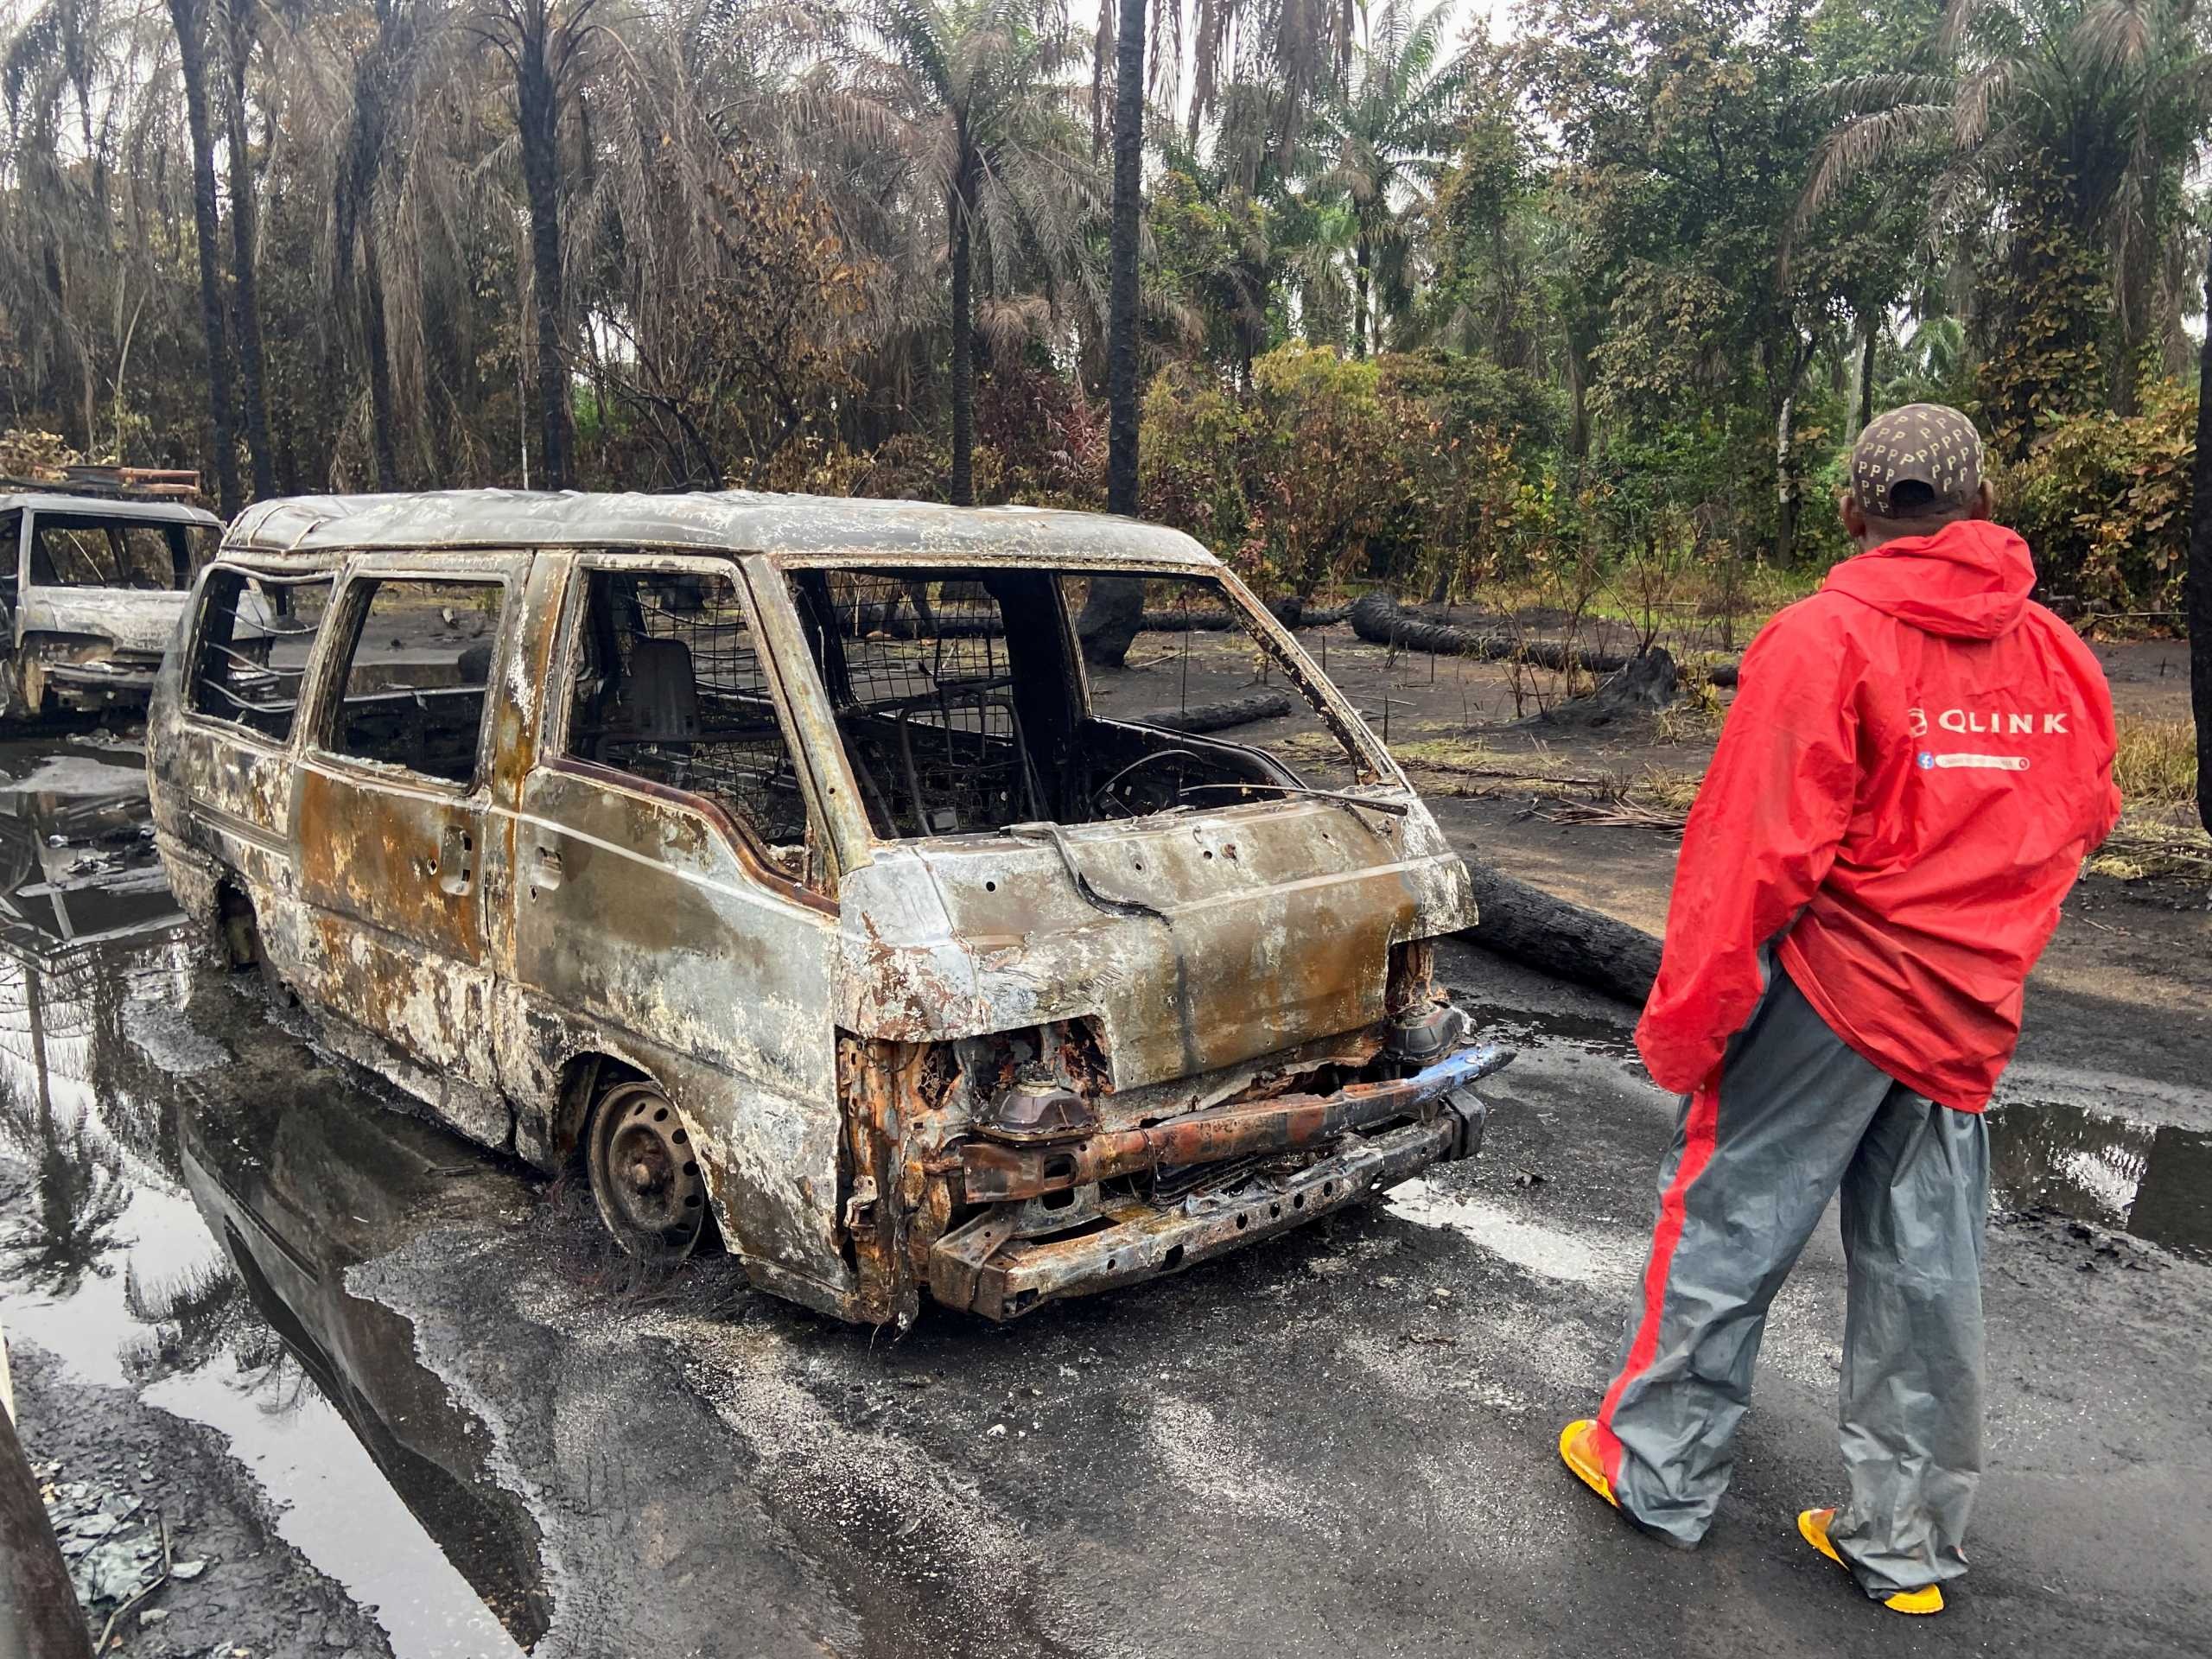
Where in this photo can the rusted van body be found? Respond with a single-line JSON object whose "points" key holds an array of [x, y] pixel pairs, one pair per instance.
{"points": [[92, 591], [769, 853]]}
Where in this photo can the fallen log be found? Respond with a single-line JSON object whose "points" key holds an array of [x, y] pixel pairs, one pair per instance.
{"points": [[1219, 716], [1564, 940], [1295, 613], [1381, 620]]}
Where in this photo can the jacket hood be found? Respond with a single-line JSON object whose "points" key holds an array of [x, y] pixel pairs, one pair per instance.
{"points": [[1969, 581]]}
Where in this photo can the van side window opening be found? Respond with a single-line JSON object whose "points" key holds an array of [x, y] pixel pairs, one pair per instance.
{"points": [[418, 674], [920, 673], [249, 651], [665, 683], [955, 693], [80, 550]]}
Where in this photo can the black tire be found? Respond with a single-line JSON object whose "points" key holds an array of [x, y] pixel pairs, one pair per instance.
{"points": [[644, 1174]]}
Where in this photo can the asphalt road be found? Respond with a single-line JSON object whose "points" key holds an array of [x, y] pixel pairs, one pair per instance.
{"points": [[1341, 1441]]}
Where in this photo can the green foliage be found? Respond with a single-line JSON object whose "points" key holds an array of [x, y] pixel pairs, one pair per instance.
{"points": [[2104, 503], [1193, 440], [1602, 300]]}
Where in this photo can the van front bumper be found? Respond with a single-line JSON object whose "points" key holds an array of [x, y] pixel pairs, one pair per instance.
{"points": [[984, 1266], [100, 683]]}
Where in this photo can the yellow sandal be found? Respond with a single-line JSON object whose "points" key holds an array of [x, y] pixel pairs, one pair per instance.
{"points": [[1578, 1454], [1813, 1527]]}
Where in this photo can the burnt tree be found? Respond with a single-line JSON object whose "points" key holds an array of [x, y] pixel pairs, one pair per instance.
{"points": [[242, 20], [2197, 588], [1565, 940], [543, 42], [1114, 610], [191, 21], [378, 70], [960, 213]]}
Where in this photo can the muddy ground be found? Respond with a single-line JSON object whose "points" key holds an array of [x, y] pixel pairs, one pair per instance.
{"points": [[400, 1397]]}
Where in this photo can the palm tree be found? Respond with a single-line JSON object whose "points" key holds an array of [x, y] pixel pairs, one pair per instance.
{"points": [[544, 43], [1391, 125], [379, 72], [240, 23], [2197, 588], [193, 20], [2076, 120], [1121, 321], [970, 95]]}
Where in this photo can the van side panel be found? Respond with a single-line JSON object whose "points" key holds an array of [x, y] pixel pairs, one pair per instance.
{"points": [[396, 863], [638, 931]]}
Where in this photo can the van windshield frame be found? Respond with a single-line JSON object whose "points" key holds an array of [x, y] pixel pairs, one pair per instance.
{"points": [[805, 584]]}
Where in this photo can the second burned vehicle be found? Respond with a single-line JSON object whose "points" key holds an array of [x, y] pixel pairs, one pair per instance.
{"points": [[770, 853], [91, 587]]}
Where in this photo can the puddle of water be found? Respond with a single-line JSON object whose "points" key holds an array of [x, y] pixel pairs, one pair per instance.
{"points": [[181, 1209], [300, 1186], [2154, 1182], [76, 860]]}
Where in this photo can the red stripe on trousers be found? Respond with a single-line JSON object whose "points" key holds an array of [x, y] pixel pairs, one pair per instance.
{"points": [[1698, 1137]]}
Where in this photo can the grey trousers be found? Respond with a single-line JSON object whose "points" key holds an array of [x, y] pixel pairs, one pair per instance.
{"points": [[1793, 1116]]}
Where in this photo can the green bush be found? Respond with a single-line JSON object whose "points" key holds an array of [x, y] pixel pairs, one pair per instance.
{"points": [[2104, 500]]}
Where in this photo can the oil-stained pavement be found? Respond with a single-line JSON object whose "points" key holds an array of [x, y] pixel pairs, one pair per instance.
{"points": [[466, 1413]]}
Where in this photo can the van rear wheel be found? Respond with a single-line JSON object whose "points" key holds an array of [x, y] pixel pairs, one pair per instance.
{"points": [[644, 1174]]}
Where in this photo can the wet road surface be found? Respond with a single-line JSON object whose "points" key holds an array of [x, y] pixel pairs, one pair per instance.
{"points": [[478, 1420]]}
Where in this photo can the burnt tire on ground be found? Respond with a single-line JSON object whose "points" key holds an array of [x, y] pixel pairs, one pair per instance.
{"points": [[644, 1174]]}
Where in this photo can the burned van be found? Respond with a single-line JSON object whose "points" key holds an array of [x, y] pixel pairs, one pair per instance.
{"points": [[771, 855], [94, 587]]}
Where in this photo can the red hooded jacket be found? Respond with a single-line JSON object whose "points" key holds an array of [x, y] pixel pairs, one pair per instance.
{"points": [[1916, 762]]}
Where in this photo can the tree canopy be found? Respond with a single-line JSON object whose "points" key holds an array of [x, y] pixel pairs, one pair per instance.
{"points": [[1413, 300]]}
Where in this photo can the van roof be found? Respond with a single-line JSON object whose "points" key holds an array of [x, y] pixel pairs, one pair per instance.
{"points": [[109, 506], [806, 528]]}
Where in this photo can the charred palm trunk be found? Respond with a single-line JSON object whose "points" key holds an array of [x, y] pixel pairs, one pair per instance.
{"points": [[245, 286], [1122, 316], [961, 210], [360, 269], [375, 349], [2197, 589], [537, 119], [190, 19], [1115, 605]]}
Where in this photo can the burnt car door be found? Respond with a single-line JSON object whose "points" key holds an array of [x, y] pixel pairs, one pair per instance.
{"points": [[669, 900], [392, 811]]}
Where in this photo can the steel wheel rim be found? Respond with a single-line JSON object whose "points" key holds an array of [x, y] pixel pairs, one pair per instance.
{"points": [[647, 1174]]}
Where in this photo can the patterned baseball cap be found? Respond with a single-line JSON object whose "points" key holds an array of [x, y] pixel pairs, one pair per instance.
{"points": [[1923, 443]]}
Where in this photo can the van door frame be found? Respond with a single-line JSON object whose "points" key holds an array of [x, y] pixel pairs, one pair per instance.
{"points": [[417, 974], [759, 1096]]}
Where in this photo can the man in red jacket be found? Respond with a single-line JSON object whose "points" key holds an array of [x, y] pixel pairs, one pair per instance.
{"points": [[1917, 763]]}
